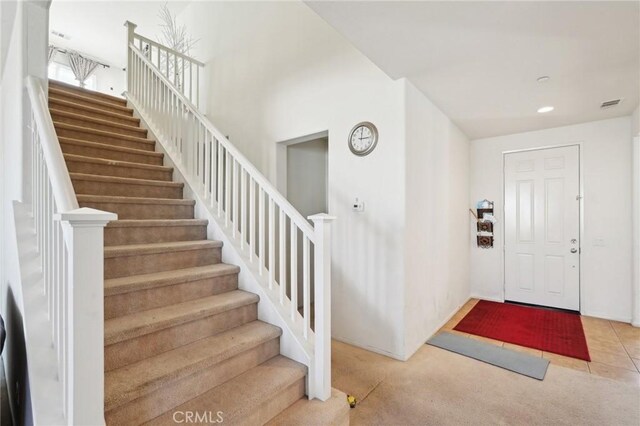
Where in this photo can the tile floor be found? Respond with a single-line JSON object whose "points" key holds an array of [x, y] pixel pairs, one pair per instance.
{"points": [[614, 347]]}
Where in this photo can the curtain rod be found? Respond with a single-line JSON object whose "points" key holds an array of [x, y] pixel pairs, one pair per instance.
{"points": [[67, 51]]}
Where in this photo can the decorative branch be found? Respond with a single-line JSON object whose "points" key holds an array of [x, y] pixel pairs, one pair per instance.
{"points": [[174, 35]]}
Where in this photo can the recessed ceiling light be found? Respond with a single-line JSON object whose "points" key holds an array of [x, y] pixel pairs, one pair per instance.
{"points": [[543, 79], [545, 109]]}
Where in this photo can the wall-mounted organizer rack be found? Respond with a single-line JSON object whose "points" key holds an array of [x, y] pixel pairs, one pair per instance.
{"points": [[485, 221]]}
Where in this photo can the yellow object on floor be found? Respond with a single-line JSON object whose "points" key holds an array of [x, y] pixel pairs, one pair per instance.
{"points": [[351, 400]]}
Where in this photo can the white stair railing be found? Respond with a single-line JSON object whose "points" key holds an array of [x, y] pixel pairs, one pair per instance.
{"points": [[70, 245], [181, 70], [292, 258]]}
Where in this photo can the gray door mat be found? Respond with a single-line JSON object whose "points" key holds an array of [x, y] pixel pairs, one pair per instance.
{"points": [[517, 362]]}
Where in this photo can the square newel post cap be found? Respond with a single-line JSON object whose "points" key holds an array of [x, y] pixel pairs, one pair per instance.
{"points": [[321, 217], [130, 25], [86, 216]]}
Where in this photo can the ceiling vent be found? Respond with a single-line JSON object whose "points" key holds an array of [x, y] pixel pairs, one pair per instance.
{"points": [[61, 35], [611, 103]]}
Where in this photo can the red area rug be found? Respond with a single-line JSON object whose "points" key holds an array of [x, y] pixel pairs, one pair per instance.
{"points": [[544, 329]]}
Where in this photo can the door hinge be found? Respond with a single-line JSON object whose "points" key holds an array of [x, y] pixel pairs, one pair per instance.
{"points": [[578, 197]]}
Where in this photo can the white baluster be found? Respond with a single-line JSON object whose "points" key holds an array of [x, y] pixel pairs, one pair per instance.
{"points": [[294, 271], [234, 182], [243, 209], [261, 229], [252, 219], [282, 253], [272, 243]]}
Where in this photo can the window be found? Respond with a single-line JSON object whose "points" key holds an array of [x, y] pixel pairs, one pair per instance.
{"points": [[63, 73]]}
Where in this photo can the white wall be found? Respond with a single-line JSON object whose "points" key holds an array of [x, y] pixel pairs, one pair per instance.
{"points": [[635, 122], [606, 180], [437, 223], [24, 34], [276, 71]]}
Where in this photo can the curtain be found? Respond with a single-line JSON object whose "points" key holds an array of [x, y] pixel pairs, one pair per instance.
{"points": [[52, 53], [81, 66]]}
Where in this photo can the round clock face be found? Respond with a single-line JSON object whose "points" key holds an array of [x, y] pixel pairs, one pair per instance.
{"points": [[363, 138]]}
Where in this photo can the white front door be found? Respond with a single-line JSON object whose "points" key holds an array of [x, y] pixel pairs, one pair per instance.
{"points": [[542, 227]]}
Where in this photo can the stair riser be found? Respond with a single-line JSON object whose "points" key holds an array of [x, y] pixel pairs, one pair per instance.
{"points": [[270, 408], [273, 405], [180, 391], [120, 118], [116, 236], [102, 107], [136, 349], [142, 300], [109, 154], [123, 266], [143, 211], [97, 96], [97, 126], [125, 189], [100, 169], [107, 140]]}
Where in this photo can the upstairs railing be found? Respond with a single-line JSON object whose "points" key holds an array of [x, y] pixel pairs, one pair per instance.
{"points": [[292, 259], [181, 70], [70, 247]]}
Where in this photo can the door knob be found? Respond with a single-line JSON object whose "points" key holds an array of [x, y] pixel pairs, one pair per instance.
{"points": [[574, 250]]}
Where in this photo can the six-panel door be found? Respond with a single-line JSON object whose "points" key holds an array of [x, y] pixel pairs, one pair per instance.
{"points": [[542, 227]]}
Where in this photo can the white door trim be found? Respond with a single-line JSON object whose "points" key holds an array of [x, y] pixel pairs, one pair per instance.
{"points": [[579, 144]]}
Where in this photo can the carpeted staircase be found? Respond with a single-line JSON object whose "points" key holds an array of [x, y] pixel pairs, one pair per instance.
{"points": [[179, 335]]}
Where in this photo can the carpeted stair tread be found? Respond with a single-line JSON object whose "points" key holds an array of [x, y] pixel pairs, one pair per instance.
{"points": [[123, 180], [118, 163], [135, 380], [58, 93], [66, 126], [140, 249], [87, 109], [133, 200], [238, 406], [86, 92], [160, 279], [93, 120], [146, 322], [74, 141], [139, 223], [334, 411]]}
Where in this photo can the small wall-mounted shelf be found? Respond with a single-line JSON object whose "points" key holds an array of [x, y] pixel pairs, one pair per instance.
{"points": [[484, 224]]}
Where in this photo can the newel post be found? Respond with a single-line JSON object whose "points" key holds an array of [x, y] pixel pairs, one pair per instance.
{"points": [[131, 30], [84, 236], [320, 374]]}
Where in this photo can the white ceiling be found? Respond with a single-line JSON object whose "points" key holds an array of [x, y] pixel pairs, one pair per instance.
{"points": [[97, 28], [479, 61]]}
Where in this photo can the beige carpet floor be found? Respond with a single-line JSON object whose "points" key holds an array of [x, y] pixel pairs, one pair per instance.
{"points": [[437, 387]]}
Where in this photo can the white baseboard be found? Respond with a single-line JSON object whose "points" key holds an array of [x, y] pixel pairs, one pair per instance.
{"points": [[491, 299], [368, 348], [607, 317]]}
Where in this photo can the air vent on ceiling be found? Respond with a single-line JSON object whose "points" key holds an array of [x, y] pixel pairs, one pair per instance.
{"points": [[61, 35], [611, 103]]}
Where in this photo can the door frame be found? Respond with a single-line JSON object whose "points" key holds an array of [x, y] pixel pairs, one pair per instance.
{"points": [[281, 160], [579, 144]]}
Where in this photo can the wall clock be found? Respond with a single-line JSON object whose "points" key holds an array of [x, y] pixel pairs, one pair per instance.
{"points": [[363, 138]]}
